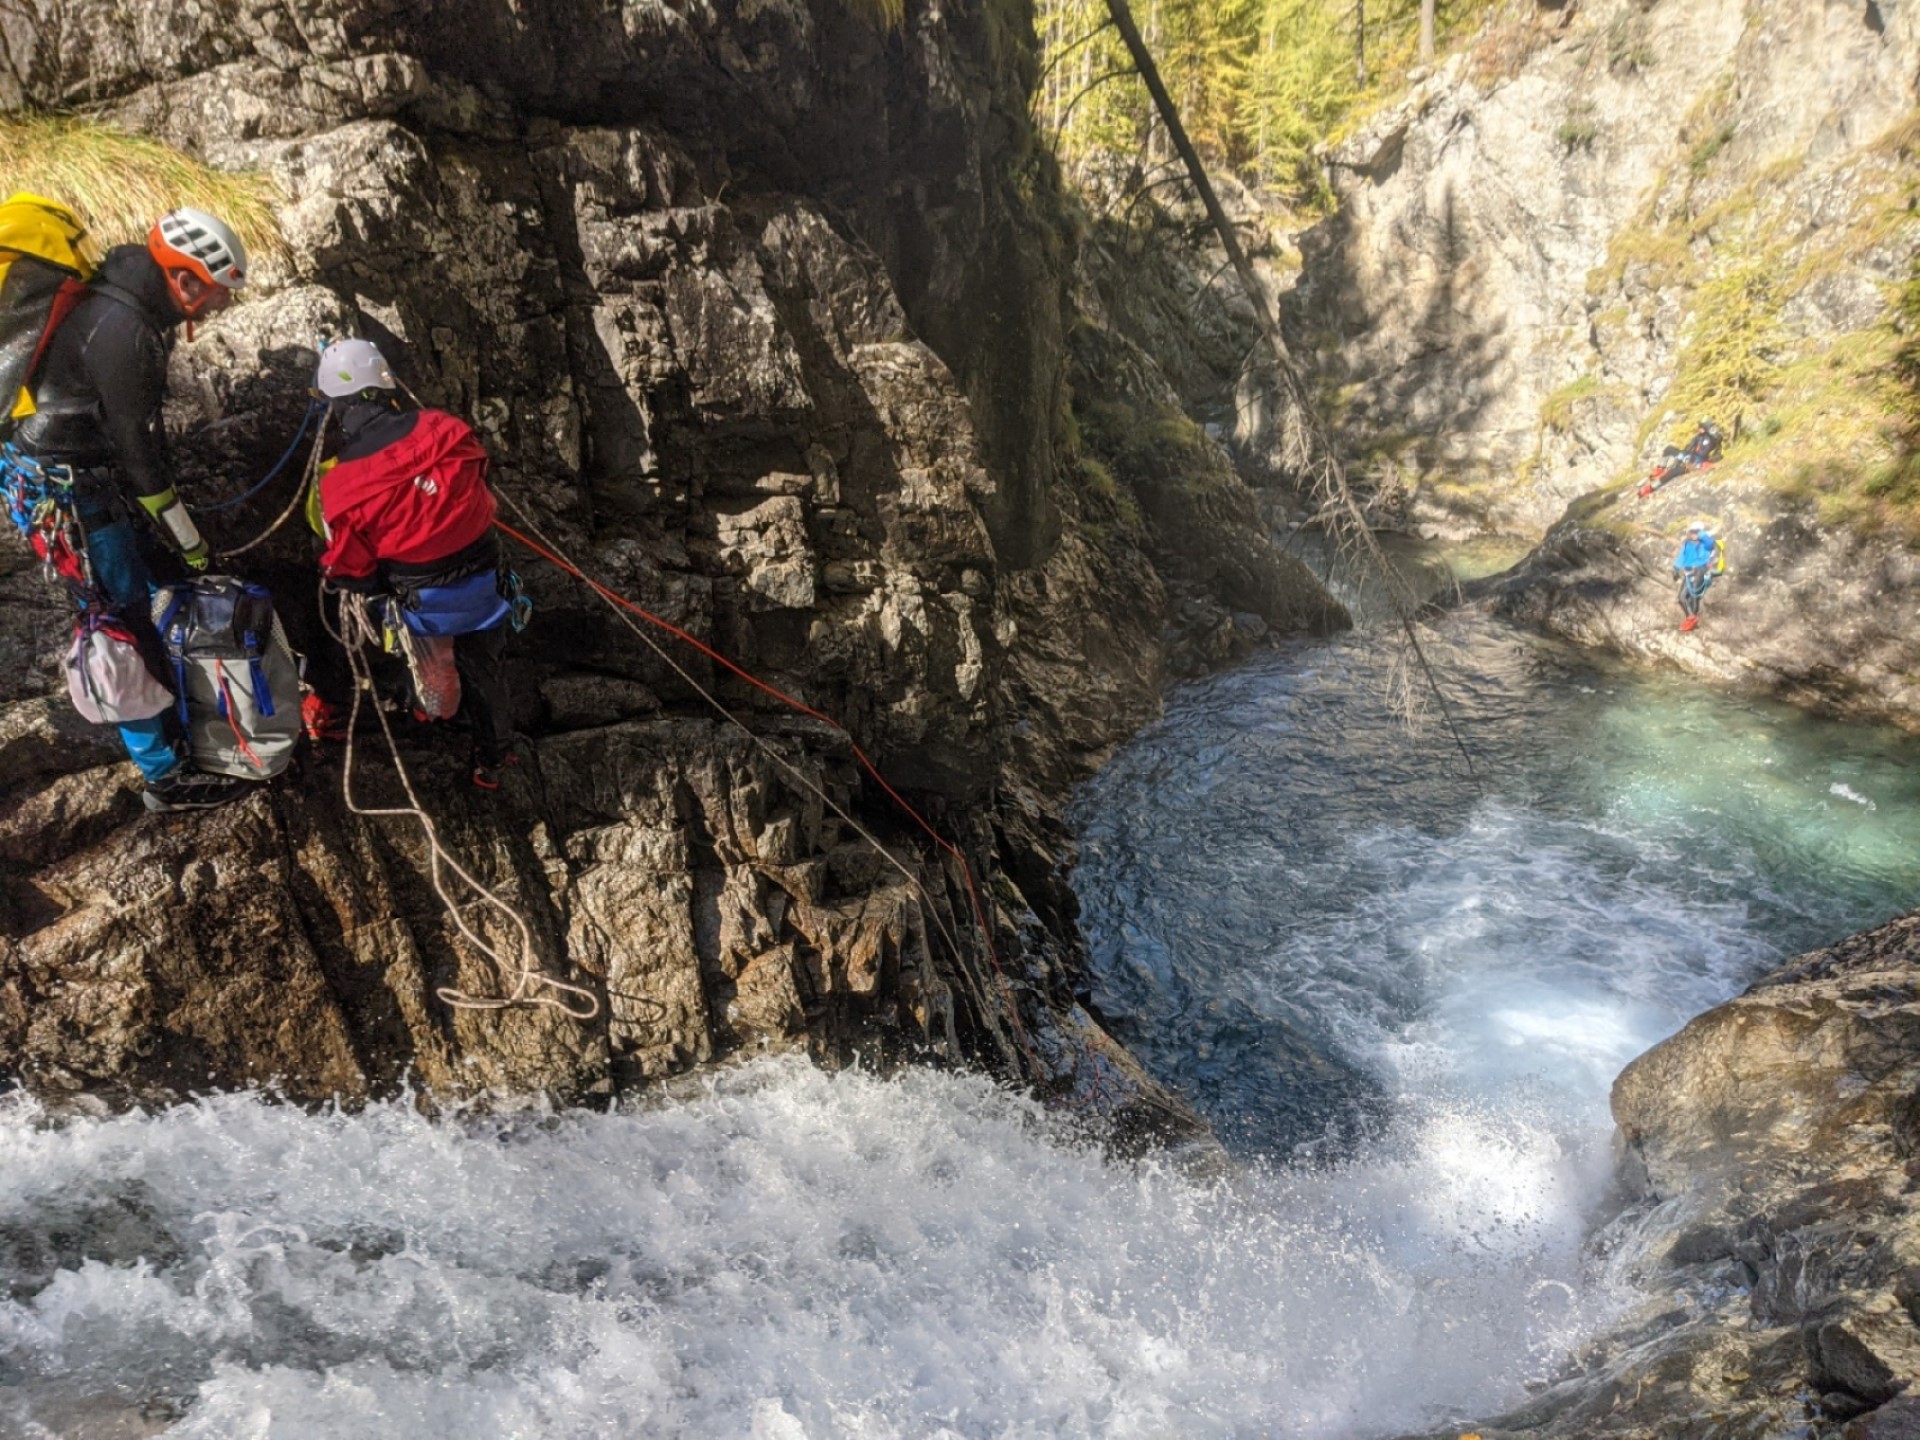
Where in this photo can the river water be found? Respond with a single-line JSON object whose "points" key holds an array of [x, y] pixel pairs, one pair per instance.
{"points": [[1398, 988]]}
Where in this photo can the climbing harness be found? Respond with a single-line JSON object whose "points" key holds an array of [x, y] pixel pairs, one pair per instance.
{"points": [[359, 629], [626, 610], [40, 502], [1696, 582]]}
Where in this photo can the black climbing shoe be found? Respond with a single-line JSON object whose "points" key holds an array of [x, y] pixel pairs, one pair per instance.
{"points": [[192, 790]]}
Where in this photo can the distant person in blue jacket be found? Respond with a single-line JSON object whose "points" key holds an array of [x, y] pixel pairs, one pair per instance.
{"points": [[1701, 561]]}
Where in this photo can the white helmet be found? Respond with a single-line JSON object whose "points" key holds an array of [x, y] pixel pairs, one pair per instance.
{"points": [[349, 366], [192, 240]]}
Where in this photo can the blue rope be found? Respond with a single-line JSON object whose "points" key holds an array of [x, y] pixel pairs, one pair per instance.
{"points": [[312, 409]]}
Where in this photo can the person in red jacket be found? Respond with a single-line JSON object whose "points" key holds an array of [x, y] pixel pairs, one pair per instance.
{"points": [[407, 515]]}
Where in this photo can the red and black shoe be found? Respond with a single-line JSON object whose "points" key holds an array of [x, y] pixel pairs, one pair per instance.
{"points": [[487, 773], [323, 723]]}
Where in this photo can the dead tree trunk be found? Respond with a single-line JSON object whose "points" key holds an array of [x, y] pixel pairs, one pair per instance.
{"points": [[1306, 449], [1426, 31], [1360, 43], [1196, 172]]}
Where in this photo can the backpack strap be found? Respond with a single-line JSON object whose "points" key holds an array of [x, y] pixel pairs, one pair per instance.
{"points": [[174, 635], [262, 692], [120, 295], [83, 632], [231, 716], [64, 299]]}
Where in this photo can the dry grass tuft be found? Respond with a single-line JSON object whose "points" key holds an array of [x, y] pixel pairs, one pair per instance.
{"points": [[1513, 34], [119, 182]]}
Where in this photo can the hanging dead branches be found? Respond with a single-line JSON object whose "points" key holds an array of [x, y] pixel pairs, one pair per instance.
{"points": [[1306, 449]]}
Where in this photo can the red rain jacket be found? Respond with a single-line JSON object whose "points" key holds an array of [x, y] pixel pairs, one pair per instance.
{"points": [[418, 500]]}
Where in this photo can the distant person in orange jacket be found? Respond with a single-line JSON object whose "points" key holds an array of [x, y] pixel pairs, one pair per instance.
{"points": [[407, 515]]}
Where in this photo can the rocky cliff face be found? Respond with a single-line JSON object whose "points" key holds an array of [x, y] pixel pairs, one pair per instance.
{"points": [[1599, 224], [1770, 1153], [761, 309], [1554, 215]]}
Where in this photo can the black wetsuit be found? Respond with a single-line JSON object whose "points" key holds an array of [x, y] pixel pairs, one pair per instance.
{"points": [[103, 381], [98, 399]]}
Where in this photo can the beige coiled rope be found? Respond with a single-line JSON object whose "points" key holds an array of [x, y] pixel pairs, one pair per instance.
{"points": [[531, 987]]}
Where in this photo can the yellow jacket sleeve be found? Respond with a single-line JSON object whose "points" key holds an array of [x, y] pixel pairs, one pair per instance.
{"points": [[316, 516]]}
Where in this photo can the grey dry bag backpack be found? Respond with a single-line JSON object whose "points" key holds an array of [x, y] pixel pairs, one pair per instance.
{"points": [[237, 684]]}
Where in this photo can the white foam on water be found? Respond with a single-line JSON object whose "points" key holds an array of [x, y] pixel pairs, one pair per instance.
{"points": [[790, 1255], [1542, 953], [1280, 862], [793, 1256]]}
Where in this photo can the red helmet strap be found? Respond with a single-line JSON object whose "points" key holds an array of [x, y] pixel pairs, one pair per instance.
{"points": [[190, 308]]}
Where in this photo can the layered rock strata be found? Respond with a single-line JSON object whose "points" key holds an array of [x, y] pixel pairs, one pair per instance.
{"points": [[761, 310]]}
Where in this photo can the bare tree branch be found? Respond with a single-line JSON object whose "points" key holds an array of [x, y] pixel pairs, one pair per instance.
{"points": [[1066, 50], [1060, 125]]}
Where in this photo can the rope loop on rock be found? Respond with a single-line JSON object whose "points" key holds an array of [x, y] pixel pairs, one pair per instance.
{"points": [[314, 407], [309, 478], [531, 986]]}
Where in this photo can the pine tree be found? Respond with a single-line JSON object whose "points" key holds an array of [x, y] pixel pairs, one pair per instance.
{"points": [[1260, 83]]}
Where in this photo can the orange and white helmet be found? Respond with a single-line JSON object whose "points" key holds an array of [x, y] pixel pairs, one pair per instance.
{"points": [[192, 241]]}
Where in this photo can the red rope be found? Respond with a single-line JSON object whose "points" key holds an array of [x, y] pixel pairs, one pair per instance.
{"points": [[233, 723], [973, 890]]}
